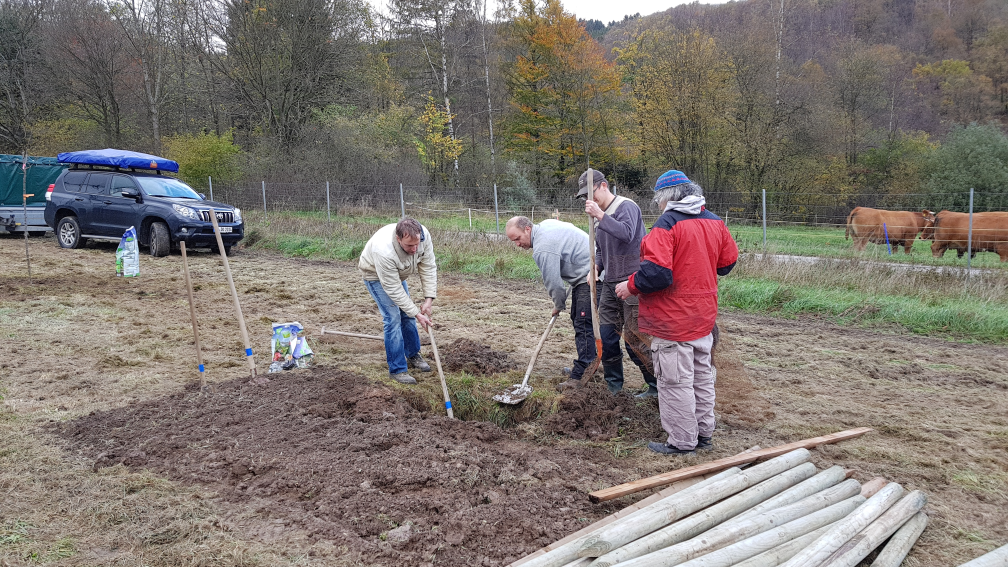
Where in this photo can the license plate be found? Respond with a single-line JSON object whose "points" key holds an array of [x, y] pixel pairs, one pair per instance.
{"points": [[224, 229]]}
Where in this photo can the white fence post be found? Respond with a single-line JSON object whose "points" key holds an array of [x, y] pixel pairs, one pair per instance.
{"points": [[496, 210], [327, 205], [470, 217], [264, 198], [969, 241], [764, 219], [210, 181], [402, 201]]}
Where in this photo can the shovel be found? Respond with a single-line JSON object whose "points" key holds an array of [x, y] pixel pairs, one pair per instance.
{"points": [[517, 393]]}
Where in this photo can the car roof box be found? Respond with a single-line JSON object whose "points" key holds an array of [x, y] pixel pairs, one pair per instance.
{"points": [[119, 158]]}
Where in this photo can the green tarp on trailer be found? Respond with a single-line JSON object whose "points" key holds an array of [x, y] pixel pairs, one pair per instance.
{"points": [[41, 172]]}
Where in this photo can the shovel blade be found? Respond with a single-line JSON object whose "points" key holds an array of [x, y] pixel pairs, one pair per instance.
{"points": [[514, 395]]}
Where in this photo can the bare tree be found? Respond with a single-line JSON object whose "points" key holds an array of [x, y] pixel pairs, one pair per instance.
{"points": [[143, 25], [90, 57], [287, 57], [20, 59]]}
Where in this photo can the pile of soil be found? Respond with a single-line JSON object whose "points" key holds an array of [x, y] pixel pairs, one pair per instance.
{"points": [[475, 358], [323, 453], [593, 413]]}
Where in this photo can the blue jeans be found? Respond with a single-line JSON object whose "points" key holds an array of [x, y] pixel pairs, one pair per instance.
{"points": [[401, 338]]}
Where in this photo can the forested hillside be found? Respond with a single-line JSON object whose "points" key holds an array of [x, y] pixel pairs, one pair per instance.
{"points": [[792, 96]]}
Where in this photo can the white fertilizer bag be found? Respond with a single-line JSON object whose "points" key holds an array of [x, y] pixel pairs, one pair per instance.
{"points": [[128, 255]]}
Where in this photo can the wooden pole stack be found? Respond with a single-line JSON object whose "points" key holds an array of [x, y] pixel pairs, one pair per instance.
{"points": [[779, 512]]}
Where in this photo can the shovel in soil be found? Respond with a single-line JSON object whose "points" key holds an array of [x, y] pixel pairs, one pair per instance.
{"points": [[517, 393]]}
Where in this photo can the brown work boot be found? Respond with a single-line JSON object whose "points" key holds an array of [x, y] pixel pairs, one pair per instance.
{"points": [[569, 384]]}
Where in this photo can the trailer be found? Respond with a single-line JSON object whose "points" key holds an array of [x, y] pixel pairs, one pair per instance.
{"points": [[32, 176]]}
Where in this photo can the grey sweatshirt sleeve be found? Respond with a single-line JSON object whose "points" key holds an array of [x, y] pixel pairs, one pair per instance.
{"points": [[549, 265], [621, 224]]}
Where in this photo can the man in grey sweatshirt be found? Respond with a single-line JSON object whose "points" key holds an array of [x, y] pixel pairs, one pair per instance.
{"points": [[561, 251], [619, 230]]}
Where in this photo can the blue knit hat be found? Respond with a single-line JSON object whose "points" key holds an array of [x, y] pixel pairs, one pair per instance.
{"points": [[670, 178]]}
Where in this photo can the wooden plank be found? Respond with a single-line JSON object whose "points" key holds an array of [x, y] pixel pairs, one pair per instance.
{"points": [[721, 464], [355, 335]]}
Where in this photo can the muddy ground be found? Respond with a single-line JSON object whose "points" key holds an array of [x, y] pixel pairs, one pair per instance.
{"points": [[111, 456]]}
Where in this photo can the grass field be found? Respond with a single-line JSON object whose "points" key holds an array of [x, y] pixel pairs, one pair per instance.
{"points": [[845, 286]]}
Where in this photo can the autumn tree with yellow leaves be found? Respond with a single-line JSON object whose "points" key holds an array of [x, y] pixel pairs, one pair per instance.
{"points": [[563, 93]]}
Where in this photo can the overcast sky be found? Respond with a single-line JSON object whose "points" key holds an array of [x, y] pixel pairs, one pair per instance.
{"points": [[604, 10]]}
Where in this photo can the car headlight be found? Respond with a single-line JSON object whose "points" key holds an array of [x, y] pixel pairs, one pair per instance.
{"points": [[237, 215], [186, 212]]}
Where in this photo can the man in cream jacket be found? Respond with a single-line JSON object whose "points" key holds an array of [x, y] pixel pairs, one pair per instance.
{"points": [[389, 257]]}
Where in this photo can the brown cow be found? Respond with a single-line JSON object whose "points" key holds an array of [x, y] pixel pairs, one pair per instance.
{"points": [[903, 227], [950, 230]]}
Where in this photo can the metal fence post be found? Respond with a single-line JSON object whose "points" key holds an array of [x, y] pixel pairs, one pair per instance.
{"points": [[210, 181], [470, 217], [264, 198], [969, 241], [327, 206], [402, 201], [764, 218], [496, 210]]}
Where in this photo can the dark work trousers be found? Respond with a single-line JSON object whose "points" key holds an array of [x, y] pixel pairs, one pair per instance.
{"points": [[584, 336], [618, 319]]}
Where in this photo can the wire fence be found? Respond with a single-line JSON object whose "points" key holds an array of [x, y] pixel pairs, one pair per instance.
{"points": [[810, 209], [489, 208]]}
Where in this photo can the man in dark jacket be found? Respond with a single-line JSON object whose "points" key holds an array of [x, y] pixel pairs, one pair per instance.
{"points": [[620, 229], [681, 258]]}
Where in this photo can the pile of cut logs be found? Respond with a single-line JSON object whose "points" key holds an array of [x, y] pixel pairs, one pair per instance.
{"points": [[779, 512]]}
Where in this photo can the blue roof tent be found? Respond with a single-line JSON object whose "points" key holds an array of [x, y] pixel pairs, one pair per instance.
{"points": [[119, 158]]}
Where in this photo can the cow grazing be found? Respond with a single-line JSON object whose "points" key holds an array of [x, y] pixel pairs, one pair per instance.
{"points": [[870, 225], [950, 231]]}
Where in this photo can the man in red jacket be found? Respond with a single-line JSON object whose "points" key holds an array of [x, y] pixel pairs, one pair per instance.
{"points": [[681, 258]]}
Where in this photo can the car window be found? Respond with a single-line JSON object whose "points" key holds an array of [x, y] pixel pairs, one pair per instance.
{"points": [[119, 183], [73, 180], [97, 183], [166, 187]]}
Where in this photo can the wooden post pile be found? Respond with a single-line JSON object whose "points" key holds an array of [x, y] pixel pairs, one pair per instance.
{"points": [[779, 512]]}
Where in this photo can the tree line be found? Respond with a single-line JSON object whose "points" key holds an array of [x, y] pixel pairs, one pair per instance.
{"points": [[795, 97]]}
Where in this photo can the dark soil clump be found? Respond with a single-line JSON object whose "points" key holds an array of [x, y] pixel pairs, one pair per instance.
{"points": [[477, 359], [326, 455], [595, 414]]}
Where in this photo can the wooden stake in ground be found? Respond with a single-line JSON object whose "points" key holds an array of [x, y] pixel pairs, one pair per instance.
{"points": [[238, 310], [444, 385], [24, 203], [192, 314], [590, 371], [721, 464]]}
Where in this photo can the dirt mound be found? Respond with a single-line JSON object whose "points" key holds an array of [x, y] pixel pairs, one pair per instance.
{"points": [[326, 454], [465, 355], [595, 414]]}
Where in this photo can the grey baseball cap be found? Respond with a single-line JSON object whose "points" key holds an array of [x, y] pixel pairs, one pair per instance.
{"points": [[583, 182]]}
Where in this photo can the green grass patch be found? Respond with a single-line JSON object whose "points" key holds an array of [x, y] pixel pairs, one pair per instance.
{"points": [[959, 317]]}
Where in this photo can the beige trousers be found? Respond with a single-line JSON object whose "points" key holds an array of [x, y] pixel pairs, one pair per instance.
{"points": [[685, 389]]}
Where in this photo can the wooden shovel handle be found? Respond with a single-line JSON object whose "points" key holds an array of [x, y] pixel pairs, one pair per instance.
{"points": [[538, 348], [192, 315], [590, 179], [444, 385]]}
